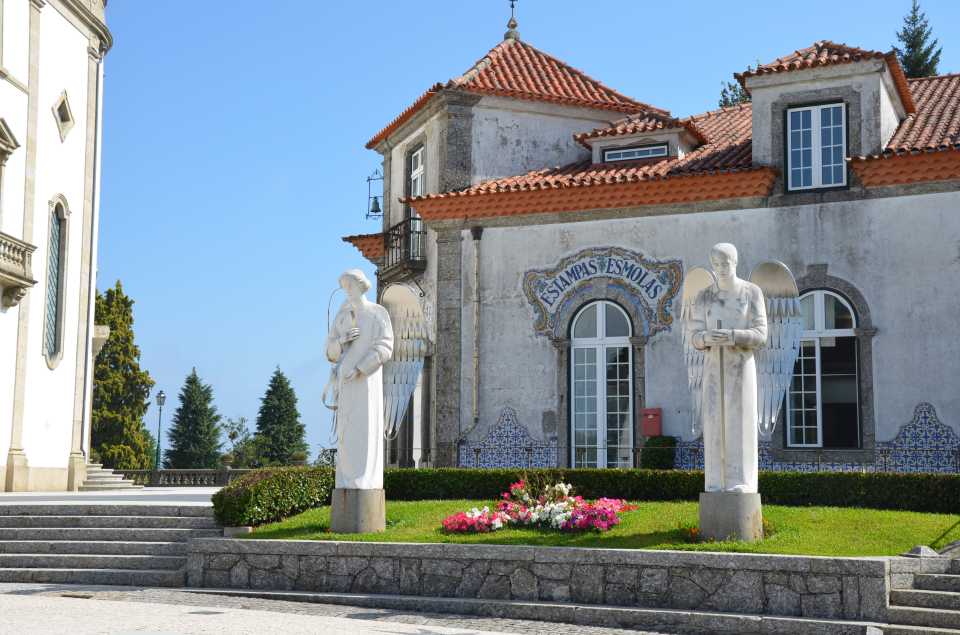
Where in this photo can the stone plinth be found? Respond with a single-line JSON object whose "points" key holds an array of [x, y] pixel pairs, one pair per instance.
{"points": [[731, 516], [358, 511]]}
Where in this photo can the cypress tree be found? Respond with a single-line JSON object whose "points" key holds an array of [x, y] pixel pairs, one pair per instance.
{"points": [[732, 93], [121, 389], [920, 54], [279, 431], [195, 434]]}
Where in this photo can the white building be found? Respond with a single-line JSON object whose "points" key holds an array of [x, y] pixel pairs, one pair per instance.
{"points": [[51, 87], [554, 290]]}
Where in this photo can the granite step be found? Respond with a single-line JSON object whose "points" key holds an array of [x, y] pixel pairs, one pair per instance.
{"points": [[665, 620], [914, 616], [903, 629], [926, 599], [104, 476], [89, 486], [111, 533], [81, 509], [89, 561], [937, 582], [123, 577], [101, 547], [151, 522]]}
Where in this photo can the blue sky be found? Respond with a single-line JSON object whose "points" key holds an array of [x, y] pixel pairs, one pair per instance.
{"points": [[234, 140]]}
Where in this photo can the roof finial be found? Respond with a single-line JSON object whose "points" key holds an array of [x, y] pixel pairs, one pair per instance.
{"points": [[512, 33]]}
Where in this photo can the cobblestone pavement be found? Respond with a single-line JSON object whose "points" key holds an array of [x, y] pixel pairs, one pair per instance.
{"points": [[45, 608]]}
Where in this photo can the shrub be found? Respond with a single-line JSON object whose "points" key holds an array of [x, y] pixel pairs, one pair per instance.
{"points": [[272, 494], [658, 453]]}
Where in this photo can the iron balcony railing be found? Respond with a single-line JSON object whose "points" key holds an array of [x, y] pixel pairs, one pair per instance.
{"points": [[405, 246]]}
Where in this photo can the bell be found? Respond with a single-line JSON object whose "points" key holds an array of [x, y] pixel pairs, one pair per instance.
{"points": [[375, 207]]}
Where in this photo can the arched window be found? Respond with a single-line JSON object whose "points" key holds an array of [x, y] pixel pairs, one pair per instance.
{"points": [[823, 410], [601, 379], [56, 263]]}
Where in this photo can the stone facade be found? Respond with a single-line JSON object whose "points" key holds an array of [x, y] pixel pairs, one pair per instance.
{"points": [[813, 587]]}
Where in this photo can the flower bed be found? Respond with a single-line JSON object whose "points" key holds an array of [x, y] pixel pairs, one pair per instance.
{"points": [[552, 507]]}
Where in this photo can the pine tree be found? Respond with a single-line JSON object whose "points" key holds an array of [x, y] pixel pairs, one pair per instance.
{"points": [[195, 434], [279, 431], [732, 93], [121, 389], [920, 54]]}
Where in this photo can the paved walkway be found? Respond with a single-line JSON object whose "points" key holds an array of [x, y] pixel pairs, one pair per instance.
{"points": [[145, 496], [35, 609]]}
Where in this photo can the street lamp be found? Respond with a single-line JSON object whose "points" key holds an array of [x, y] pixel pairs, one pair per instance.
{"points": [[161, 399]]}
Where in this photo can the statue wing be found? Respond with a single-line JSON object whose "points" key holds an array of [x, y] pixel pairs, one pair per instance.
{"points": [[402, 371], [696, 280], [775, 361]]}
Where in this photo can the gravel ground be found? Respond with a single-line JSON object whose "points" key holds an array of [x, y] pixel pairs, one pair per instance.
{"points": [[45, 608]]}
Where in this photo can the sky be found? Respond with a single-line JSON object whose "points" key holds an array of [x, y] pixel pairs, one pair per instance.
{"points": [[234, 133]]}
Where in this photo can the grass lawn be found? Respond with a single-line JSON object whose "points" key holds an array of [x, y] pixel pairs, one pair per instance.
{"points": [[825, 531]]}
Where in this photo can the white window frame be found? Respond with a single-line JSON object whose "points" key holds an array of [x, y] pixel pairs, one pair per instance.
{"points": [[416, 174], [816, 147], [634, 153], [600, 344], [817, 335]]}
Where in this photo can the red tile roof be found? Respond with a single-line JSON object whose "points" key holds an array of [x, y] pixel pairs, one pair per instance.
{"points": [[370, 245], [640, 122], [936, 123], [516, 69], [827, 53]]}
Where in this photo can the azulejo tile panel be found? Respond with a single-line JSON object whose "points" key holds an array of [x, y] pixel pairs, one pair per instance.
{"points": [[508, 444]]}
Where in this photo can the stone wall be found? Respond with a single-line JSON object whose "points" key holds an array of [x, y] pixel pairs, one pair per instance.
{"points": [[815, 587]]}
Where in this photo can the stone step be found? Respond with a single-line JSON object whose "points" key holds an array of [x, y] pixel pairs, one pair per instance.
{"points": [[660, 620], [949, 600], [124, 577], [937, 582], [89, 561], [914, 616], [112, 533], [954, 567], [102, 547], [151, 522], [104, 476], [81, 509], [109, 486], [903, 629], [96, 466]]}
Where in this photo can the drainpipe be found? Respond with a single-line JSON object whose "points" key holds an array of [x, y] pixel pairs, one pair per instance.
{"points": [[477, 233]]}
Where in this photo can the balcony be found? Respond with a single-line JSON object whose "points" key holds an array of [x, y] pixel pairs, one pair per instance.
{"points": [[15, 276], [404, 249]]}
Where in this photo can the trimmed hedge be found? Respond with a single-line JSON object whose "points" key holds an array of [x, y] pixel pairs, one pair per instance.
{"points": [[272, 494], [658, 453]]}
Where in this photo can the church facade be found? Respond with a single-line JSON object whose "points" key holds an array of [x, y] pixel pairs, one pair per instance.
{"points": [[549, 220], [51, 88]]}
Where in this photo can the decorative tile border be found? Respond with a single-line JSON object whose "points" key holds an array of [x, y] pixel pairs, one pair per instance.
{"points": [[508, 444]]}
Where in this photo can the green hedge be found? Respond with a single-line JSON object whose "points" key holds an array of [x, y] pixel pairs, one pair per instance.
{"points": [[274, 493], [658, 453]]}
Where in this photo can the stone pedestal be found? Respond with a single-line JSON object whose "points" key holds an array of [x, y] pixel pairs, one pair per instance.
{"points": [[76, 471], [731, 516], [17, 478], [358, 511]]}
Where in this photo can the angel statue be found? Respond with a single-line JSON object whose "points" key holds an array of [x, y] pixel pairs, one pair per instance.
{"points": [[360, 341], [738, 364]]}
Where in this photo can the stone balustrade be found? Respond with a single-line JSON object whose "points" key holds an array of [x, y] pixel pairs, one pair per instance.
{"points": [[811, 587], [182, 478], [15, 269]]}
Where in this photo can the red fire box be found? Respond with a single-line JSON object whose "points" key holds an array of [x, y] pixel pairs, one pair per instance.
{"points": [[651, 423]]}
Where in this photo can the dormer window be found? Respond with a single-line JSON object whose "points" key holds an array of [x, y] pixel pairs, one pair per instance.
{"points": [[634, 153], [816, 147]]}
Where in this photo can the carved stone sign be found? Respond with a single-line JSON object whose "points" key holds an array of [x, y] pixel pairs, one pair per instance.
{"points": [[644, 285]]}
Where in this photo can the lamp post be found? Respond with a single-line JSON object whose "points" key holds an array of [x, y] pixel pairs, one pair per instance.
{"points": [[161, 399]]}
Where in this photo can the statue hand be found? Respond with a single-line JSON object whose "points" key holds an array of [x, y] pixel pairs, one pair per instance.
{"points": [[349, 375], [718, 337], [351, 335]]}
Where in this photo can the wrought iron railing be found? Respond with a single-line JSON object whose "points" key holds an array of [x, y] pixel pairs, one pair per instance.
{"points": [[405, 246]]}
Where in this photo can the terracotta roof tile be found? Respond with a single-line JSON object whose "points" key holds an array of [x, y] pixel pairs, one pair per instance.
{"points": [[936, 123], [638, 123], [827, 53], [370, 245], [516, 69]]}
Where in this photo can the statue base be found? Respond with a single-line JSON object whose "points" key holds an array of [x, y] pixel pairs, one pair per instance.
{"points": [[730, 516], [358, 511]]}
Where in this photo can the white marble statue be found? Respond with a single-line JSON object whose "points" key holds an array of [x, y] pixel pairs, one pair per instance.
{"points": [[360, 341], [727, 322]]}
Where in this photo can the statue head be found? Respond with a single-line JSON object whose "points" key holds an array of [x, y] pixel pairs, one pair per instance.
{"points": [[354, 283], [723, 260]]}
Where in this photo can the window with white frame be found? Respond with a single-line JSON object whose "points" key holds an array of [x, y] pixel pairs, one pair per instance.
{"points": [[823, 409], [416, 173], [601, 381], [415, 162], [630, 154], [816, 146]]}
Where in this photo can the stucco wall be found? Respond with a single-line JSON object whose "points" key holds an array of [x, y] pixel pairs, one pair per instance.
{"points": [[901, 253]]}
